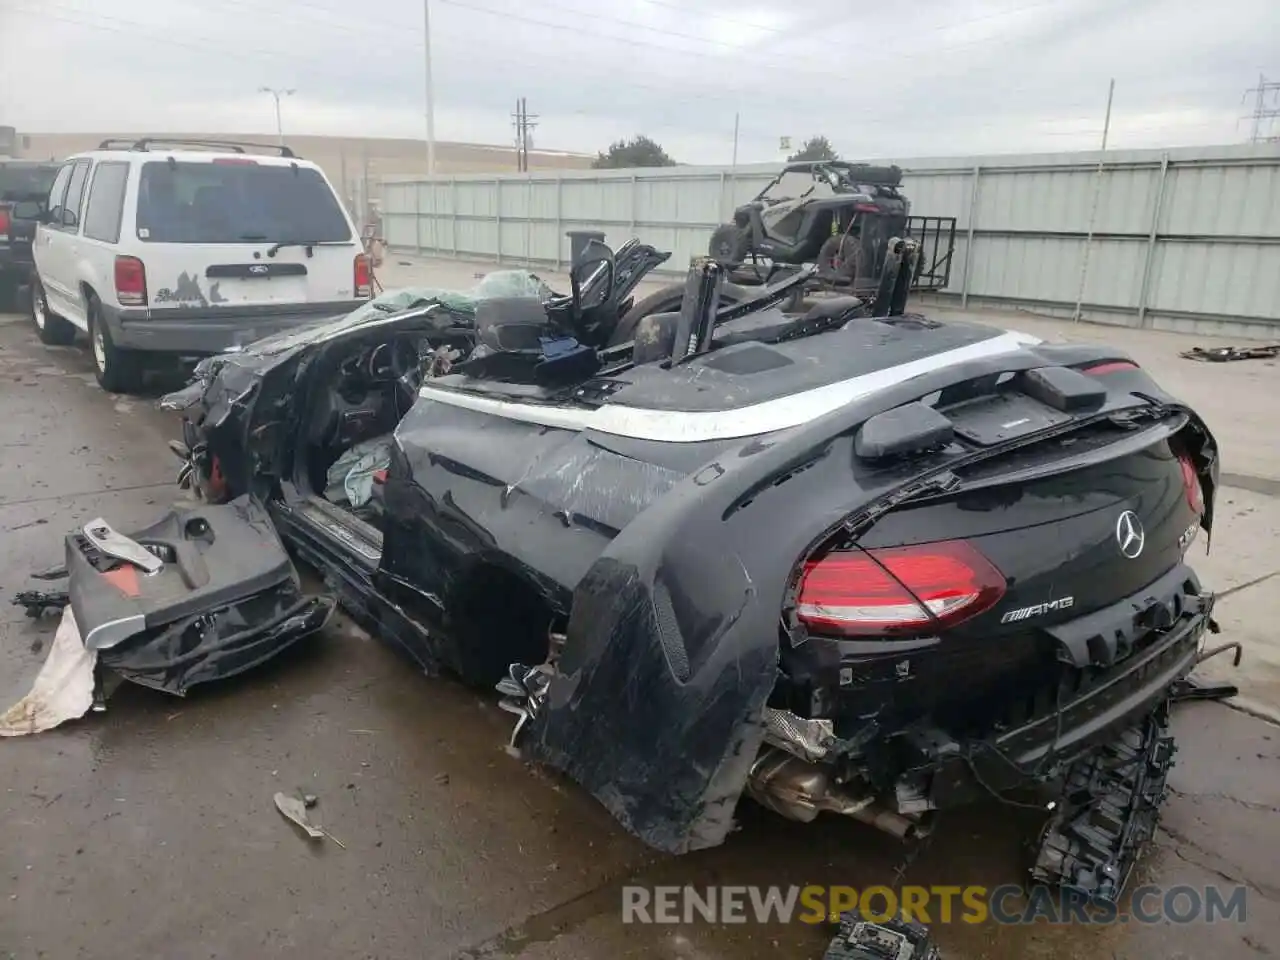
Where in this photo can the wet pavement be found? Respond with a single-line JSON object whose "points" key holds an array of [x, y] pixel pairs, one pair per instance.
{"points": [[150, 831]]}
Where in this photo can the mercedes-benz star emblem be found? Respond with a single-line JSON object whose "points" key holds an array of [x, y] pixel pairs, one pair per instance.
{"points": [[1129, 534]]}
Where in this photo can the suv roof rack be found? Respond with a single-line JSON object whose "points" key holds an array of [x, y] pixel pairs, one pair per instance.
{"points": [[144, 144]]}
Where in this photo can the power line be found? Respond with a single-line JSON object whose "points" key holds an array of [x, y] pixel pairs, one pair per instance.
{"points": [[734, 97], [138, 30], [827, 78]]}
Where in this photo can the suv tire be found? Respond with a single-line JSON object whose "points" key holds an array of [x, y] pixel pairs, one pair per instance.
{"points": [[53, 330], [118, 371]]}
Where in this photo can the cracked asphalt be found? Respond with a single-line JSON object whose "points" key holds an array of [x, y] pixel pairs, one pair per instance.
{"points": [[149, 830]]}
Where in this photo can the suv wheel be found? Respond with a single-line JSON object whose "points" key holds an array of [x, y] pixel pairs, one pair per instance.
{"points": [[50, 328], [119, 371]]}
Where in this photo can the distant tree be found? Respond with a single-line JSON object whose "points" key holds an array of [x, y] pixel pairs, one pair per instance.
{"points": [[639, 151], [815, 148]]}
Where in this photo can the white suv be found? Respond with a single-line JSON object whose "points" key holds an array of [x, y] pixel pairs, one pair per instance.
{"points": [[188, 248]]}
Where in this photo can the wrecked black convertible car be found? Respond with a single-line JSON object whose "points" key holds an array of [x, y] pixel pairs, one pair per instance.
{"points": [[856, 560]]}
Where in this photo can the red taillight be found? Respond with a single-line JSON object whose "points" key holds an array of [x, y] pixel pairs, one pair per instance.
{"points": [[131, 282], [1191, 483], [879, 592], [363, 277], [4, 224], [866, 208], [235, 161], [1111, 366]]}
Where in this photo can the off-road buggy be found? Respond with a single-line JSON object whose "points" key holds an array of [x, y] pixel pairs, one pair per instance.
{"points": [[834, 214]]}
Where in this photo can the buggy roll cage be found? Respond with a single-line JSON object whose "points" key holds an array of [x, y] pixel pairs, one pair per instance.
{"points": [[849, 173]]}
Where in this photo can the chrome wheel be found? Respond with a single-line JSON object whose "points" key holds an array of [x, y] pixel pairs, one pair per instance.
{"points": [[38, 308]]}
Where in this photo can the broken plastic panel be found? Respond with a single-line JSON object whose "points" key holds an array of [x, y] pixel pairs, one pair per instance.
{"points": [[204, 593]]}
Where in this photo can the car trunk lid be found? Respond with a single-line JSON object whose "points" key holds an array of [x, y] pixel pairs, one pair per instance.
{"points": [[1066, 542], [1055, 540]]}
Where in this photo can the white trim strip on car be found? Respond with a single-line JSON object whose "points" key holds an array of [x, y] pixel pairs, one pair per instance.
{"points": [[694, 426]]}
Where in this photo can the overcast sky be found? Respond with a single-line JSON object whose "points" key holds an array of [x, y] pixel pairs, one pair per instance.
{"points": [[882, 80]]}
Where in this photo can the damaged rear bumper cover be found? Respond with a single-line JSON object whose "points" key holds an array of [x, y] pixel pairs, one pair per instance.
{"points": [[1110, 701], [219, 644]]}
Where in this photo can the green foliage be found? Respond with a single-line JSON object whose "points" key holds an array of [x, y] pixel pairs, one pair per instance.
{"points": [[815, 148], [639, 151]]}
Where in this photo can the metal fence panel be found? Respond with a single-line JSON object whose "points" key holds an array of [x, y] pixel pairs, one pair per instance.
{"points": [[1179, 239]]}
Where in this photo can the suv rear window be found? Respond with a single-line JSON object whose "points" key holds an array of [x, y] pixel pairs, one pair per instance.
{"points": [[26, 181], [236, 202]]}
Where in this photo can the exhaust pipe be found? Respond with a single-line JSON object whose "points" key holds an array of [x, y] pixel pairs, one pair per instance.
{"points": [[799, 790]]}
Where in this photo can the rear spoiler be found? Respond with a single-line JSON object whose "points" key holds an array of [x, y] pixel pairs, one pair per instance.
{"points": [[916, 427]]}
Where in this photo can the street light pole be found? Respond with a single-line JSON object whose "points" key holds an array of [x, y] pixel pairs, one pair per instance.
{"points": [[1093, 210], [431, 100], [276, 95]]}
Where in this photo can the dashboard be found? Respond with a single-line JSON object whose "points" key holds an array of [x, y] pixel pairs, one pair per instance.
{"points": [[369, 392]]}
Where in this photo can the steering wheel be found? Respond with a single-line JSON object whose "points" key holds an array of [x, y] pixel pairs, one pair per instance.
{"points": [[396, 362]]}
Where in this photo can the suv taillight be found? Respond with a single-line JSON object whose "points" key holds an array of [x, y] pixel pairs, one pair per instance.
{"points": [[1191, 483], [4, 223], [363, 276], [131, 282], [897, 590]]}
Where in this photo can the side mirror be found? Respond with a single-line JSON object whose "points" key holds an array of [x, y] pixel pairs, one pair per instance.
{"points": [[69, 218], [28, 210]]}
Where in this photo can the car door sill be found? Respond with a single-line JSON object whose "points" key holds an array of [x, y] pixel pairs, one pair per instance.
{"points": [[345, 533]]}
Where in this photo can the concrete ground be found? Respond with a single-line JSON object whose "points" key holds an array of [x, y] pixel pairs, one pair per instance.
{"points": [[149, 830]]}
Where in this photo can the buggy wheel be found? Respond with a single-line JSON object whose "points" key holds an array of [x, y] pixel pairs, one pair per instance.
{"points": [[839, 260], [729, 245]]}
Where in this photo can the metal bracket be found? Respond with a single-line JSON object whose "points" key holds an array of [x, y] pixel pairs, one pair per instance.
{"points": [[117, 545], [36, 602]]}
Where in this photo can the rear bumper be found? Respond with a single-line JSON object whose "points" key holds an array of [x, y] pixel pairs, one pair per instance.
{"points": [[209, 330], [1109, 702]]}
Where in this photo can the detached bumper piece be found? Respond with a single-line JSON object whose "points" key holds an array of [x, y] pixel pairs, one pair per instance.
{"points": [[860, 939], [1108, 812], [205, 593], [219, 644]]}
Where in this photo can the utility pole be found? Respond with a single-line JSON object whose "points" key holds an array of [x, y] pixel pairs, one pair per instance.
{"points": [[1262, 133], [726, 197], [431, 98], [1093, 210], [524, 124], [276, 95]]}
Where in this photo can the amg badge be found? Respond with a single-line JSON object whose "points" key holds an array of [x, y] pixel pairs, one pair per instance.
{"points": [[1062, 603]]}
